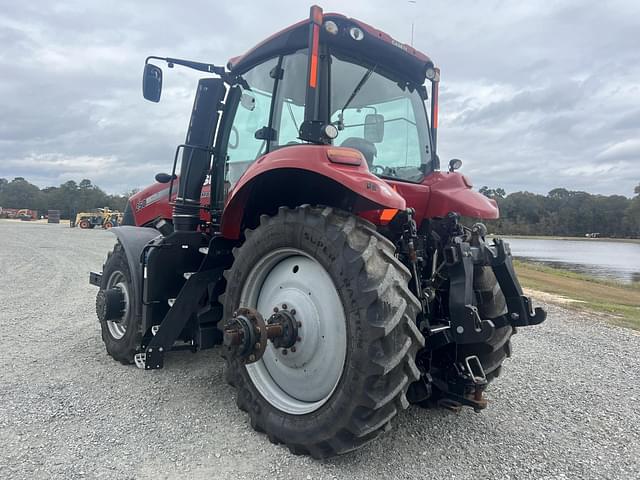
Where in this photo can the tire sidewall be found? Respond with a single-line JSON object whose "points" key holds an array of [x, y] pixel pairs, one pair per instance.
{"points": [[122, 349]]}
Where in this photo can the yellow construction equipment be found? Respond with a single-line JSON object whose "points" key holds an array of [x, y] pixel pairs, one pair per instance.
{"points": [[103, 217]]}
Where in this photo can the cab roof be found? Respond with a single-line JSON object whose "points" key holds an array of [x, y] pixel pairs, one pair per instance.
{"points": [[376, 47]]}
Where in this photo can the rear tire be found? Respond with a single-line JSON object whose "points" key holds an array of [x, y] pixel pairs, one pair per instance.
{"points": [[379, 321], [121, 338]]}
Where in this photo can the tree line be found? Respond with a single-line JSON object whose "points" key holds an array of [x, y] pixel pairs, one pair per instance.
{"points": [[561, 212], [565, 212], [70, 197]]}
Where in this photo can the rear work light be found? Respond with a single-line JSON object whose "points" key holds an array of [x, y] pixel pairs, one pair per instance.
{"points": [[345, 156], [433, 74], [331, 27], [356, 33], [331, 131]]}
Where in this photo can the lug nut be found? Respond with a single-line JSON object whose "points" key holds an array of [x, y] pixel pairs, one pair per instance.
{"points": [[252, 358], [284, 351], [299, 324], [293, 311], [257, 346], [293, 349], [284, 306], [298, 339], [275, 309]]}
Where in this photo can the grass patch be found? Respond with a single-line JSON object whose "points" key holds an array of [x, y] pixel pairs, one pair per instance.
{"points": [[620, 302]]}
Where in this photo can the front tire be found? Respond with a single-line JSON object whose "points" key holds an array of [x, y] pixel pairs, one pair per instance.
{"points": [[121, 336], [343, 384]]}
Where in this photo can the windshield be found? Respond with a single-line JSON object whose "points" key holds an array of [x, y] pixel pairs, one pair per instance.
{"points": [[383, 118]]}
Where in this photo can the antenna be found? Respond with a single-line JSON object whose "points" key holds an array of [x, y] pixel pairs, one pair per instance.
{"points": [[413, 2]]}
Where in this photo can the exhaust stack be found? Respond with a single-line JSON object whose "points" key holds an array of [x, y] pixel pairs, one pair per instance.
{"points": [[196, 156]]}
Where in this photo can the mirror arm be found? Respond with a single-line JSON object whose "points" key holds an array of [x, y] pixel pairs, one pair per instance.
{"points": [[202, 67]]}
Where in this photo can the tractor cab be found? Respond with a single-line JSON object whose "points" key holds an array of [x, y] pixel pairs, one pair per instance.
{"points": [[331, 81], [364, 91], [381, 116]]}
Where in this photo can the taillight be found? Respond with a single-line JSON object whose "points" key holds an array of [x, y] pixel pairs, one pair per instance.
{"points": [[346, 156], [387, 214]]}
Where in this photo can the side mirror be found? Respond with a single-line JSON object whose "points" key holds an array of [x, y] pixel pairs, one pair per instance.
{"points": [[374, 127], [454, 164], [164, 177], [152, 82]]}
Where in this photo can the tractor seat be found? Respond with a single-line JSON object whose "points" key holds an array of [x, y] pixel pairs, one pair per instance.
{"points": [[367, 148]]}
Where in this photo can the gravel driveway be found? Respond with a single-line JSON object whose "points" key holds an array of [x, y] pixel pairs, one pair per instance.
{"points": [[566, 406]]}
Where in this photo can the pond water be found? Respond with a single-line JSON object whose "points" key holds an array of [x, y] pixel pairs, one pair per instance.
{"points": [[618, 261]]}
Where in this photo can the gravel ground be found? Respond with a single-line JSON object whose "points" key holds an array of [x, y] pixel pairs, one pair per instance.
{"points": [[566, 405]]}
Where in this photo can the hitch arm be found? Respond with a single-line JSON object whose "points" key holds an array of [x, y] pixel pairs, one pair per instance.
{"points": [[466, 324], [521, 313]]}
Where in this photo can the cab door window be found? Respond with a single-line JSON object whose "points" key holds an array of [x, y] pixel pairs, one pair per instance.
{"points": [[252, 117], [288, 110]]}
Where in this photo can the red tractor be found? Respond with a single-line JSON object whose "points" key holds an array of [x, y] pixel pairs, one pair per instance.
{"points": [[311, 232]]}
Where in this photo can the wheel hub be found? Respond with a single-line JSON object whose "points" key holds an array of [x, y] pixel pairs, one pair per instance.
{"points": [[113, 304], [110, 304], [246, 333], [286, 322], [303, 363]]}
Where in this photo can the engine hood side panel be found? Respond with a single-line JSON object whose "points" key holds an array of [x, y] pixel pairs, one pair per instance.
{"points": [[451, 192], [153, 202]]}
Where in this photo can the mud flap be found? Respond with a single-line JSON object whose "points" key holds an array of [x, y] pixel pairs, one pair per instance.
{"points": [[133, 241]]}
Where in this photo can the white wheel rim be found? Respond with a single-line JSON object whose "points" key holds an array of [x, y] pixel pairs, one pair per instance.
{"points": [[118, 329], [303, 380]]}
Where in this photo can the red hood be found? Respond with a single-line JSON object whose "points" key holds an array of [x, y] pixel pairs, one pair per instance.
{"points": [[153, 202], [451, 192]]}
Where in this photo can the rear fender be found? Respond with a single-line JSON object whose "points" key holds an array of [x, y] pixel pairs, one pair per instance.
{"points": [[301, 174]]}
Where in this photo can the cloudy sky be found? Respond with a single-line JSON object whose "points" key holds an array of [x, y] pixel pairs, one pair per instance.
{"points": [[535, 94]]}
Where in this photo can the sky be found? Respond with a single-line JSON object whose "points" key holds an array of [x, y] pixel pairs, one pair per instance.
{"points": [[534, 95]]}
